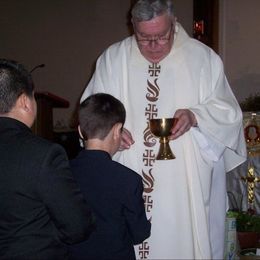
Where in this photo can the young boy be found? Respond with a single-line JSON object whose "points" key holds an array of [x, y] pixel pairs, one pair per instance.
{"points": [[113, 191]]}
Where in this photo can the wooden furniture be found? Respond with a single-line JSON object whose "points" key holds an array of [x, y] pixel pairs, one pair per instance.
{"points": [[43, 125], [206, 22]]}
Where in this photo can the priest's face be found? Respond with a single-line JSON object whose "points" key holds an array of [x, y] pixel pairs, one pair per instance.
{"points": [[155, 37]]}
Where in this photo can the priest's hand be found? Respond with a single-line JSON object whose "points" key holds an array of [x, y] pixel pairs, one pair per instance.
{"points": [[126, 141], [186, 119]]}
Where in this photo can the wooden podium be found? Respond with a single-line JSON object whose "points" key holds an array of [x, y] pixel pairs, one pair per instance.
{"points": [[43, 125]]}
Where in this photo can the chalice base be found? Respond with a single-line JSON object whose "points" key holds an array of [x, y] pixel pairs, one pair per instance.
{"points": [[165, 152]]}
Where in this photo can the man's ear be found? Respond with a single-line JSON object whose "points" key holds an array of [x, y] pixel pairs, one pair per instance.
{"points": [[23, 103], [25, 109]]}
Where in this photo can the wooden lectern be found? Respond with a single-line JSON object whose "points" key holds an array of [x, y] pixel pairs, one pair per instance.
{"points": [[46, 101]]}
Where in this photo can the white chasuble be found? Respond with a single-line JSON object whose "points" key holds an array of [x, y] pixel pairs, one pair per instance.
{"points": [[185, 197]]}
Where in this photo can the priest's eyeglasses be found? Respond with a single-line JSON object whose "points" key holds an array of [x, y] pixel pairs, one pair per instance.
{"points": [[161, 40]]}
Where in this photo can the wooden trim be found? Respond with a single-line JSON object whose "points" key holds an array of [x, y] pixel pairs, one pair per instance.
{"points": [[208, 12]]}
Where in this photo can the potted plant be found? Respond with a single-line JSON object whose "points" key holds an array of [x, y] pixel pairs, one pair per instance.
{"points": [[251, 103], [247, 226]]}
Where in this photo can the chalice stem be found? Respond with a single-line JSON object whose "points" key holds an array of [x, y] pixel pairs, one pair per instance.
{"points": [[164, 140]]}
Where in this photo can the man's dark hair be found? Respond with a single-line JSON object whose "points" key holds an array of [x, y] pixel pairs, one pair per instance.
{"points": [[98, 114], [14, 81]]}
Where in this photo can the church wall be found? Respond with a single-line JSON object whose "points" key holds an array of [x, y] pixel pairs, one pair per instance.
{"points": [[239, 41], [67, 36]]}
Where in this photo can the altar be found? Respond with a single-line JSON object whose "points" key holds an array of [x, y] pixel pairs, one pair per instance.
{"points": [[243, 190], [243, 182]]}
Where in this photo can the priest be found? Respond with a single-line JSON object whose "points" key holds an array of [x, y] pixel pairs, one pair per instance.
{"points": [[161, 72]]}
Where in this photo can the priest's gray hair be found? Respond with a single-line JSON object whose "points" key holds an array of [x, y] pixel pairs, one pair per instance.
{"points": [[145, 10]]}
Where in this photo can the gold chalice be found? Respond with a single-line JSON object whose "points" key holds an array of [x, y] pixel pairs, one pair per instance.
{"points": [[161, 128]]}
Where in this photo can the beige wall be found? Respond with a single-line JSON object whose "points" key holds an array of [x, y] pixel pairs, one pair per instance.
{"points": [[240, 41], [67, 36]]}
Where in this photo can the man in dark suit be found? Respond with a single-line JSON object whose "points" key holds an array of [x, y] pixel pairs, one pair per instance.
{"points": [[113, 191], [41, 206]]}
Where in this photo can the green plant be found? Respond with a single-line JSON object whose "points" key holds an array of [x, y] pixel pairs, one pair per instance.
{"points": [[246, 221], [251, 103]]}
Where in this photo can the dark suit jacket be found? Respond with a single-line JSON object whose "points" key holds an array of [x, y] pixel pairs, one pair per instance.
{"points": [[114, 193], [41, 206]]}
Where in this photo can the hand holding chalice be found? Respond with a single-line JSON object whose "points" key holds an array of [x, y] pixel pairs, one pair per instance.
{"points": [[161, 128]]}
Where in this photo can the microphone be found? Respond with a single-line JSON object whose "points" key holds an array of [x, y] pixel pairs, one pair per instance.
{"points": [[37, 66]]}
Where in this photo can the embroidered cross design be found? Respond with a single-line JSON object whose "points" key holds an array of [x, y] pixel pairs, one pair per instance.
{"points": [[154, 70]]}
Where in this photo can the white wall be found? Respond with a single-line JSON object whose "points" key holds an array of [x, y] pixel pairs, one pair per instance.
{"points": [[67, 36], [239, 45]]}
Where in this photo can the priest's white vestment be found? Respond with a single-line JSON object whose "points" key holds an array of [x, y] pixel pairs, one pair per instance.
{"points": [[185, 197]]}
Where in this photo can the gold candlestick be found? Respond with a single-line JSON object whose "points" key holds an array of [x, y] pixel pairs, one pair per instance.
{"points": [[251, 181]]}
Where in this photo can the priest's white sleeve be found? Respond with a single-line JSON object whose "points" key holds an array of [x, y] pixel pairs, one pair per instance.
{"points": [[213, 151]]}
